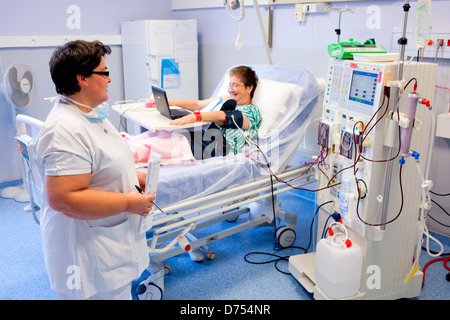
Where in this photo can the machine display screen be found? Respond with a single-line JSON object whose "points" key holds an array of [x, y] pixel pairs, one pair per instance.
{"points": [[364, 87]]}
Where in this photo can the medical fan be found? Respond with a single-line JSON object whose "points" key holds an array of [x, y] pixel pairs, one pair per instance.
{"points": [[19, 89]]}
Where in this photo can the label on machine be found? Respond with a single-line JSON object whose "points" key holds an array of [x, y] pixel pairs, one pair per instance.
{"points": [[23, 142]]}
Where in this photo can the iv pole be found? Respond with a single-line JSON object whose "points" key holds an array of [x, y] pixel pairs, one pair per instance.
{"points": [[340, 11], [402, 42], [263, 34]]}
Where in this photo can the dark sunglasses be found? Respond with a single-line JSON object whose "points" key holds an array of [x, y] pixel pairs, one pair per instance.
{"points": [[102, 73]]}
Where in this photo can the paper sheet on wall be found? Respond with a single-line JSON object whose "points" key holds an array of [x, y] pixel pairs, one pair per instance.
{"points": [[186, 51], [162, 40], [185, 31], [154, 69]]}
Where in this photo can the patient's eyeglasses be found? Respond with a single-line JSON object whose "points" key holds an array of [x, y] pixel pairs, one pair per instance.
{"points": [[102, 73], [234, 86]]}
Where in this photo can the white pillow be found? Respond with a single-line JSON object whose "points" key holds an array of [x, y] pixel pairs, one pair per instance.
{"points": [[273, 99]]}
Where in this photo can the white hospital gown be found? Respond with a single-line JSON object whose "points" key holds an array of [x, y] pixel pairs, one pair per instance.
{"points": [[85, 257], [235, 137]]}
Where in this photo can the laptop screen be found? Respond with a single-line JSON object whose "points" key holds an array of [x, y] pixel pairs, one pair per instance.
{"points": [[162, 105]]}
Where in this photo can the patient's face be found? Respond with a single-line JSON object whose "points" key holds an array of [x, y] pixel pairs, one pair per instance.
{"points": [[238, 91]]}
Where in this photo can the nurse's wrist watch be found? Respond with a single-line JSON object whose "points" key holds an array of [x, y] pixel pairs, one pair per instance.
{"points": [[198, 115]]}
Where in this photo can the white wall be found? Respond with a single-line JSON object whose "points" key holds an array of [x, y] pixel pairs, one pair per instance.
{"points": [[217, 34]]}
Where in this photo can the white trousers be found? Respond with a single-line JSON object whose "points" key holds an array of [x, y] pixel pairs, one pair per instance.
{"points": [[123, 293]]}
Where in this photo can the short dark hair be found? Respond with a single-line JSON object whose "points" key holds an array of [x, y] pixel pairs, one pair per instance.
{"points": [[247, 75], [74, 58]]}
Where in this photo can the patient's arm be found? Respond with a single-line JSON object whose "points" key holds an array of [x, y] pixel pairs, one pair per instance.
{"points": [[218, 117], [194, 104]]}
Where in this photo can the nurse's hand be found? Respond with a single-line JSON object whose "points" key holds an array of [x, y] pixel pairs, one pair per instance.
{"points": [[142, 178], [140, 204]]}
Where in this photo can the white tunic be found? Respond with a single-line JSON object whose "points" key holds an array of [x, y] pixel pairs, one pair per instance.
{"points": [[85, 257]]}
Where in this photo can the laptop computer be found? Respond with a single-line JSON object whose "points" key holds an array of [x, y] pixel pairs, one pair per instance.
{"points": [[162, 105]]}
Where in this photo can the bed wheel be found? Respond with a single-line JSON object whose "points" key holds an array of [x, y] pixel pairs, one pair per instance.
{"points": [[232, 219], [166, 269], [211, 255], [148, 291], [285, 237]]}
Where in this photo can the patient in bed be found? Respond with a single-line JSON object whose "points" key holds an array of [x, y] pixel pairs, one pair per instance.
{"points": [[236, 121]]}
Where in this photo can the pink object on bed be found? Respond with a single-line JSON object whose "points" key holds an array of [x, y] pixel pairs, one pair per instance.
{"points": [[173, 147]]}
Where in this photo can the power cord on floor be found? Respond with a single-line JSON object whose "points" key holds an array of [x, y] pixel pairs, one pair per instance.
{"points": [[277, 246], [278, 258]]}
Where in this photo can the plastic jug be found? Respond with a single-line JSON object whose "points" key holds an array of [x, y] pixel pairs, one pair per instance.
{"points": [[338, 269]]}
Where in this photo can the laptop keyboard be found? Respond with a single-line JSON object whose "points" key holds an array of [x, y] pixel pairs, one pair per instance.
{"points": [[177, 113]]}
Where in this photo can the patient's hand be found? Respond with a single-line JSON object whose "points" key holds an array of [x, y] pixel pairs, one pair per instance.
{"points": [[190, 118], [150, 103]]}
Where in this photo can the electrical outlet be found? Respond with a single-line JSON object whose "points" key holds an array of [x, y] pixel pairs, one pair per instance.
{"points": [[315, 7], [302, 9], [438, 46], [299, 13]]}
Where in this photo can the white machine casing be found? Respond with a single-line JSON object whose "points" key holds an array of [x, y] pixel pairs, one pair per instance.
{"points": [[387, 247]]}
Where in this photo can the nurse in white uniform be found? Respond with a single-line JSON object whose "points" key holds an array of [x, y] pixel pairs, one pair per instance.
{"points": [[91, 209]]}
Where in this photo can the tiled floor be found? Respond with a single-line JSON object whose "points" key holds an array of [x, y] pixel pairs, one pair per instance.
{"points": [[227, 277]]}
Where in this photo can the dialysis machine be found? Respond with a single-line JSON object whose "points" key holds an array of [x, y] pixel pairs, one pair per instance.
{"points": [[374, 135]]}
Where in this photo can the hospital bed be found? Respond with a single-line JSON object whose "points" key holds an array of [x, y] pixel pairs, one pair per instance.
{"points": [[28, 129], [194, 196]]}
